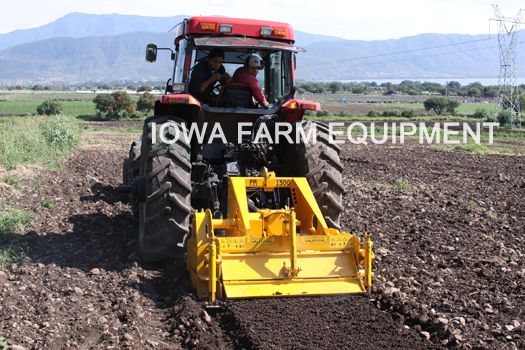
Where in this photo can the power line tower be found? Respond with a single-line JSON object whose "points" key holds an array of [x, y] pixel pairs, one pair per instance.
{"points": [[508, 93]]}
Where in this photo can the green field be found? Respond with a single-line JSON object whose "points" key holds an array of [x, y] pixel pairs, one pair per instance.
{"points": [[82, 107], [72, 103]]}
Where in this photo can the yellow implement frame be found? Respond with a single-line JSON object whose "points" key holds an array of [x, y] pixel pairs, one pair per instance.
{"points": [[281, 252]]}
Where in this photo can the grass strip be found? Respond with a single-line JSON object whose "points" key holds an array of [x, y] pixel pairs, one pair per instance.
{"points": [[43, 140]]}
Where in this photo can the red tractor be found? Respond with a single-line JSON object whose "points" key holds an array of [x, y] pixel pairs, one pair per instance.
{"points": [[207, 187]]}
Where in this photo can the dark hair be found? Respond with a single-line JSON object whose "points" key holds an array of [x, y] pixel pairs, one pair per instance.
{"points": [[216, 52]]}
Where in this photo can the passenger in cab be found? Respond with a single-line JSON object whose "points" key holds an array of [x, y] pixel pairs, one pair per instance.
{"points": [[247, 75], [206, 74]]}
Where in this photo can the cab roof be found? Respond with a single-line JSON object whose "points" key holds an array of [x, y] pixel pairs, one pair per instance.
{"points": [[237, 26]]}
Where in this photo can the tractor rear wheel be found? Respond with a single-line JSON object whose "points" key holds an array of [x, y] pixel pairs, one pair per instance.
{"points": [[319, 163], [165, 216]]}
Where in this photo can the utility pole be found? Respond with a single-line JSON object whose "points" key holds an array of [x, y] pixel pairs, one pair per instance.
{"points": [[508, 92]]}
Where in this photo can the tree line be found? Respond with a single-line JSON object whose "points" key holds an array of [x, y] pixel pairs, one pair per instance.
{"points": [[90, 86], [407, 87]]}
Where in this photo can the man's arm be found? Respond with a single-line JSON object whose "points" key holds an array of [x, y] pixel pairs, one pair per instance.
{"points": [[212, 80], [199, 81], [257, 92]]}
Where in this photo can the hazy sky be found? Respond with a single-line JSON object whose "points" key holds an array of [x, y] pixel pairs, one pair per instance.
{"points": [[349, 19]]}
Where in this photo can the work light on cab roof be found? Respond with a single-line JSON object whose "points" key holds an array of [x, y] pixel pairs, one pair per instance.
{"points": [[237, 26]]}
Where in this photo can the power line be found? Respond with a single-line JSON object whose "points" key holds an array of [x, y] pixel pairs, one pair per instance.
{"points": [[418, 57], [407, 51], [415, 58], [400, 52]]}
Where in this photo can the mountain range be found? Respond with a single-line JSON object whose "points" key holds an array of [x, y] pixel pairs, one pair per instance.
{"points": [[107, 47]]}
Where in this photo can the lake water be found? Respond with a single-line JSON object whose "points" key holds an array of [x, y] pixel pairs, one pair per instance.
{"points": [[463, 82]]}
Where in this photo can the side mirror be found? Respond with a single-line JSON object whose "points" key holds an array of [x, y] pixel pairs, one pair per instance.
{"points": [[151, 53]]}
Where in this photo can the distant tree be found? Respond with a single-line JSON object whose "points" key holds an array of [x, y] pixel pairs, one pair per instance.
{"points": [[453, 85], [452, 105], [403, 88], [504, 118], [38, 88], [323, 113], [431, 87], [481, 113], [442, 90], [105, 86], [307, 87], [408, 113], [113, 104], [47, 88], [49, 108], [317, 88], [103, 103], [491, 93], [131, 87], [146, 102], [391, 113], [301, 91], [440, 104], [474, 92], [20, 87], [358, 89], [522, 102], [159, 87], [408, 83], [413, 92], [389, 91], [335, 86], [373, 84], [144, 88], [373, 113], [476, 85]]}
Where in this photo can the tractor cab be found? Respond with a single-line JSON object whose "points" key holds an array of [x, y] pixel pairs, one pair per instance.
{"points": [[238, 39]]}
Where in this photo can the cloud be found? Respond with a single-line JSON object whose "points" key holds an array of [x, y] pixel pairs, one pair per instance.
{"points": [[370, 20]]}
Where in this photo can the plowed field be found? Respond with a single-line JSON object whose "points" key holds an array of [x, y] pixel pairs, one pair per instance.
{"points": [[447, 229]]}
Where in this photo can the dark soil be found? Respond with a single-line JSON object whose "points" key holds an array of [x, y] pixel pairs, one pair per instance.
{"points": [[449, 264]]}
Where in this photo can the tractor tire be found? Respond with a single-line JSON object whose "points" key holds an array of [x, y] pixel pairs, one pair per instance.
{"points": [[125, 169], [133, 173], [321, 166], [164, 222]]}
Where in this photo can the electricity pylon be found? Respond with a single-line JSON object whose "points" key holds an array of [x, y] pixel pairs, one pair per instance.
{"points": [[508, 92]]}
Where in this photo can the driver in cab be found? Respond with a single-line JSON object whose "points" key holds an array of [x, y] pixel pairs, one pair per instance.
{"points": [[206, 74], [247, 75]]}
